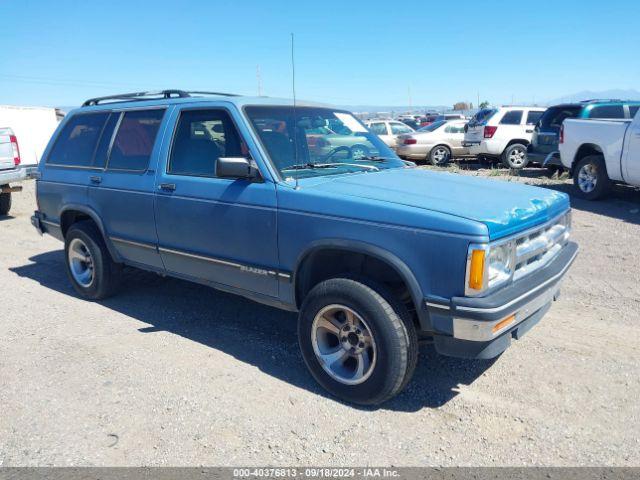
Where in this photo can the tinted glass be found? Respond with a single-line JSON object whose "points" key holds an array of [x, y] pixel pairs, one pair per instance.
{"points": [[134, 141], [482, 116], [607, 111], [378, 128], [533, 117], [633, 109], [554, 116], [100, 158], [399, 128], [77, 141], [298, 145], [514, 117], [433, 126], [203, 136]]}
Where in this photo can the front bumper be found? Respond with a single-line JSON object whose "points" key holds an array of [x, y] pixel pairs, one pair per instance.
{"points": [[483, 327]]}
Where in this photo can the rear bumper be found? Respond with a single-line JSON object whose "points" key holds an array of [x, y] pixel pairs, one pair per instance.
{"points": [[483, 327], [542, 158], [13, 175], [413, 152]]}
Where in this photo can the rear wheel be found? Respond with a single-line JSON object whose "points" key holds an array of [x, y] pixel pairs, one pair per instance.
{"points": [[92, 271], [357, 340], [439, 155], [515, 156], [590, 178], [5, 203]]}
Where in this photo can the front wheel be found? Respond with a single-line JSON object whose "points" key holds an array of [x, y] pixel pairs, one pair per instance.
{"points": [[5, 203], [590, 178], [357, 340], [359, 151], [515, 156], [439, 155]]}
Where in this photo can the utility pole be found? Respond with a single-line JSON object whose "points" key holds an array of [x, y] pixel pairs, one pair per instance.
{"points": [[478, 104], [409, 92], [259, 80]]}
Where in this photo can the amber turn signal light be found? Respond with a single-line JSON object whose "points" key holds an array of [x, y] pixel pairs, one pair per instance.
{"points": [[476, 273]]}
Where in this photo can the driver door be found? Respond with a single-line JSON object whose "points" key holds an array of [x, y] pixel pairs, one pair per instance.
{"points": [[217, 230]]}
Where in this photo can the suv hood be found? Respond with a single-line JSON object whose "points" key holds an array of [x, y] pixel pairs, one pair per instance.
{"points": [[504, 207]]}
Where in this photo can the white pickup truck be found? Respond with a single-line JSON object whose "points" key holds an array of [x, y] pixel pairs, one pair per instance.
{"points": [[599, 153]]}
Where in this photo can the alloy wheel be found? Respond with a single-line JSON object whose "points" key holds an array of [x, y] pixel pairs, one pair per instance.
{"points": [[343, 344]]}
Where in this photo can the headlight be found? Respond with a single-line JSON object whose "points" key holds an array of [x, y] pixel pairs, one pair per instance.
{"points": [[489, 266]]}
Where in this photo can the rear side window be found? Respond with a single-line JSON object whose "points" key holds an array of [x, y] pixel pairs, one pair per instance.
{"points": [[533, 117], [513, 117], [76, 144], [102, 150], [633, 109], [607, 111], [134, 141]]}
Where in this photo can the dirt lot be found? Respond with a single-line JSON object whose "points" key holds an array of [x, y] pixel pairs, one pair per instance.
{"points": [[170, 373]]}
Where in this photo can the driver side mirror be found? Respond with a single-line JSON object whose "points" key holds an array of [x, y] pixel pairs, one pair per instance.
{"points": [[236, 167]]}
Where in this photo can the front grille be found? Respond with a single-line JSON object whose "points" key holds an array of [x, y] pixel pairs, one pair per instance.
{"points": [[537, 247]]}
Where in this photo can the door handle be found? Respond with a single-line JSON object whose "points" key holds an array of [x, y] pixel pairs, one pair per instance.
{"points": [[167, 187], [95, 179]]}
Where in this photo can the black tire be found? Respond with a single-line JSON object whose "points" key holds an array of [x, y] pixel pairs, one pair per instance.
{"points": [[5, 203], [510, 153], [391, 328], [593, 164], [436, 159], [106, 273]]}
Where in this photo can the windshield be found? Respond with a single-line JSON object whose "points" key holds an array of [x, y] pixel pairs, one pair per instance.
{"points": [[321, 141], [433, 126]]}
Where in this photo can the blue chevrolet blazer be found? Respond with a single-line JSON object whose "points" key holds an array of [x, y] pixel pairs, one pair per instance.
{"points": [[299, 206]]}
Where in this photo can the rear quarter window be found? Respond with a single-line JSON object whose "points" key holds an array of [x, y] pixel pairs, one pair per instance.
{"points": [[76, 143], [533, 117], [633, 109], [513, 117], [607, 111]]}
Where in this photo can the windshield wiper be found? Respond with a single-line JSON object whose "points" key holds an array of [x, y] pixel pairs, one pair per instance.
{"points": [[374, 158], [309, 165]]}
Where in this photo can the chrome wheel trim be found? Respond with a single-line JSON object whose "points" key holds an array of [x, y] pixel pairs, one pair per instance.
{"points": [[358, 152], [343, 344], [440, 155], [80, 262], [517, 156], [587, 178]]}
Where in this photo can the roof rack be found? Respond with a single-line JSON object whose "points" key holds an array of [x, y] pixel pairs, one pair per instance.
{"points": [[139, 96]]}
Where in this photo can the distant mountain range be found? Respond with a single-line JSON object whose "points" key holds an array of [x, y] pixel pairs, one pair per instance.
{"points": [[621, 94]]}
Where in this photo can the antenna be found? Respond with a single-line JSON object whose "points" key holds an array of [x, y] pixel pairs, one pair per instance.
{"points": [[293, 89], [259, 80]]}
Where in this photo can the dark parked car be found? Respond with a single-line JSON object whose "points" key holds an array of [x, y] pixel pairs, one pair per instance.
{"points": [[543, 148]]}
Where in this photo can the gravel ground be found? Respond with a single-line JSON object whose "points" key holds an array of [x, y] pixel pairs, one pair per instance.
{"points": [[171, 373]]}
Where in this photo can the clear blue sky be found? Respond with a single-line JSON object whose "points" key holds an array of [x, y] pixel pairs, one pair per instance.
{"points": [[60, 52]]}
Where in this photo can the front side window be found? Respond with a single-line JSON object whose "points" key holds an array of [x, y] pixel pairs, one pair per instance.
{"points": [[607, 111], [309, 142], [513, 117], [77, 141], [201, 138], [134, 141]]}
